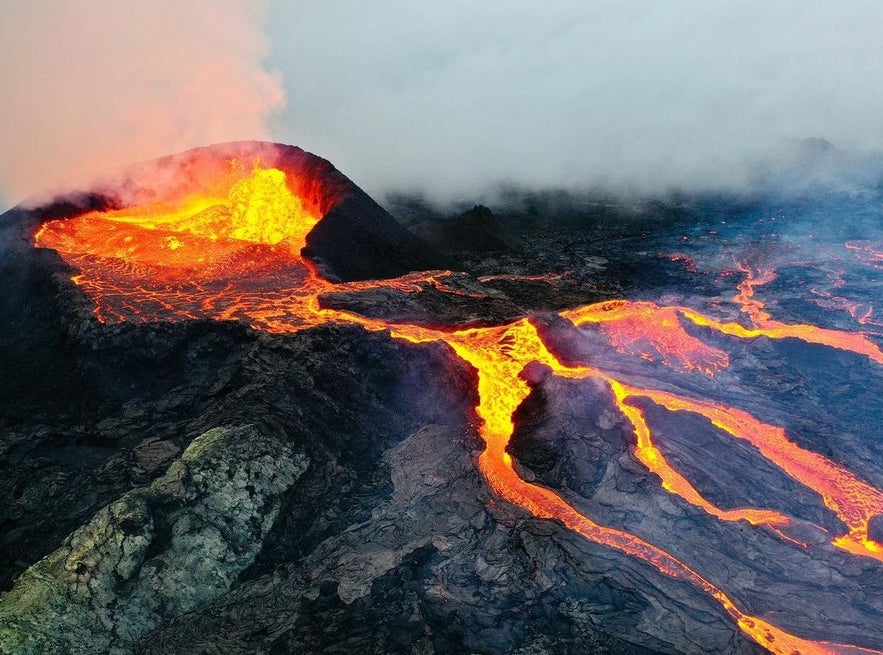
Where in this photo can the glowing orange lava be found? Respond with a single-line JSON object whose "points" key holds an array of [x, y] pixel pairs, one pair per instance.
{"points": [[654, 333], [767, 327], [237, 256], [194, 237]]}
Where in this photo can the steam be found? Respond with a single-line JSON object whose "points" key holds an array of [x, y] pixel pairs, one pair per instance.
{"points": [[89, 85], [450, 98], [627, 94]]}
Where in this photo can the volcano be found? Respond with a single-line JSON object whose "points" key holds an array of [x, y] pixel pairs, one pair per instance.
{"points": [[246, 410]]}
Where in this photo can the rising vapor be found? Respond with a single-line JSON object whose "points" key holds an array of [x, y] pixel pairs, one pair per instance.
{"points": [[446, 98], [457, 96], [93, 84]]}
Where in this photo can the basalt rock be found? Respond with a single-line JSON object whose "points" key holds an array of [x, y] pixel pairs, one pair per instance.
{"points": [[875, 528], [476, 230], [441, 567], [156, 552]]}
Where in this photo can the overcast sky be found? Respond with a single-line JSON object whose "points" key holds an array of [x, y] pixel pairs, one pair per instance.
{"points": [[449, 97]]}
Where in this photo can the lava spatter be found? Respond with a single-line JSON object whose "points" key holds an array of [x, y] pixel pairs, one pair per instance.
{"points": [[238, 257]]}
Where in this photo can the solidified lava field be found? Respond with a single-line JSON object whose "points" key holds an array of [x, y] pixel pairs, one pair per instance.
{"points": [[250, 411]]}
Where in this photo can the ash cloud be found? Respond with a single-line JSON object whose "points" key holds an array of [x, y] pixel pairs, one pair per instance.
{"points": [[90, 85], [458, 97]]}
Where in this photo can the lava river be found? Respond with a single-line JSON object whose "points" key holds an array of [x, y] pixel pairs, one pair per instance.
{"points": [[237, 257]]}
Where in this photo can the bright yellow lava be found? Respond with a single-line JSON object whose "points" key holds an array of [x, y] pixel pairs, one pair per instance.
{"points": [[201, 231]]}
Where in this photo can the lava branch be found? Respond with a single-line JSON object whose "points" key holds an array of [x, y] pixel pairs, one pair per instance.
{"points": [[851, 499], [239, 258], [854, 501], [856, 342], [672, 481], [500, 355]]}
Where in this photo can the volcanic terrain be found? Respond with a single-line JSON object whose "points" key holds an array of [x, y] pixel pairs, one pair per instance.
{"points": [[246, 410]]}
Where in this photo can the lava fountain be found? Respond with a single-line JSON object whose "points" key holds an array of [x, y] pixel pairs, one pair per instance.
{"points": [[234, 249]]}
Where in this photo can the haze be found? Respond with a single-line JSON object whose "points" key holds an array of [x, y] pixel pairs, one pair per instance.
{"points": [[450, 99]]}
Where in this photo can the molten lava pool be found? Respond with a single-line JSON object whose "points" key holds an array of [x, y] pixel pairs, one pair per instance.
{"points": [[236, 255]]}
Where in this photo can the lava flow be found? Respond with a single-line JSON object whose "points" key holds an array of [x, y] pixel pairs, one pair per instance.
{"points": [[238, 257], [767, 327]]}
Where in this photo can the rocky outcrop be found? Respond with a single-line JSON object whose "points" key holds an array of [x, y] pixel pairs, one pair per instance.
{"points": [[875, 528], [476, 230], [357, 239], [441, 566], [156, 552]]}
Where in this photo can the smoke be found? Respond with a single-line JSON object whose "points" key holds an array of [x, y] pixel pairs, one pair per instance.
{"points": [[450, 98], [89, 85], [455, 97]]}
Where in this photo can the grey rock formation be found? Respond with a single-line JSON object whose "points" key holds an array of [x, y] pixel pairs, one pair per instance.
{"points": [[156, 552], [875, 528], [441, 566], [476, 230]]}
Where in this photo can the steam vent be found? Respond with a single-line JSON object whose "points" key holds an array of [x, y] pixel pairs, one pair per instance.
{"points": [[246, 410]]}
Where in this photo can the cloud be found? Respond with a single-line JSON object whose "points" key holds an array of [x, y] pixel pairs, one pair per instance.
{"points": [[89, 85], [454, 97], [450, 98]]}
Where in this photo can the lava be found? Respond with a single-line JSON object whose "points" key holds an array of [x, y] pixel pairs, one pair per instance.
{"points": [[654, 333], [765, 326], [853, 500], [237, 256], [867, 252], [651, 457], [500, 355], [193, 237]]}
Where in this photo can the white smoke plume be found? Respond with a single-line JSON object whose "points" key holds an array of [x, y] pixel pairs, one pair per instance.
{"points": [[451, 97], [89, 85]]}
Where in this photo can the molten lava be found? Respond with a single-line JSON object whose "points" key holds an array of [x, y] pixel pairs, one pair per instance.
{"points": [[651, 332], [193, 237], [237, 256], [767, 327], [225, 257]]}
